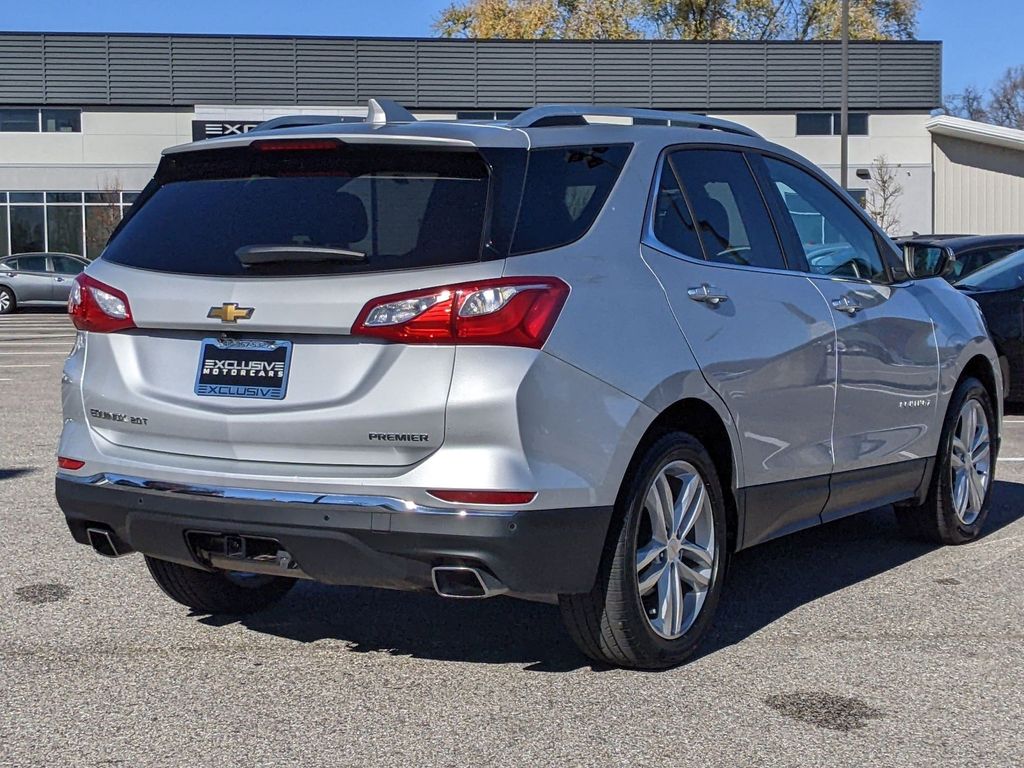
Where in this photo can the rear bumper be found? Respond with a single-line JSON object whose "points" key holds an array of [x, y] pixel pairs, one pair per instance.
{"points": [[368, 541]]}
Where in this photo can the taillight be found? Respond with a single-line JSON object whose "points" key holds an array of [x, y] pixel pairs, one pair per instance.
{"points": [[98, 307], [513, 311]]}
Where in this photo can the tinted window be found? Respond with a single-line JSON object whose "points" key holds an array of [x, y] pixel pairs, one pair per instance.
{"points": [[67, 266], [835, 240], [1003, 275], [731, 215], [971, 261], [62, 121], [830, 123], [19, 120], [403, 208], [32, 263], [27, 228], [814, 124], [565, 189], [672, 223]]}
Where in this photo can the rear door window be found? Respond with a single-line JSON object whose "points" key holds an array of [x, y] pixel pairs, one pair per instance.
{"points": [[672, 224], [565, 189], [397, 208], [730, 213], [32, 263]]}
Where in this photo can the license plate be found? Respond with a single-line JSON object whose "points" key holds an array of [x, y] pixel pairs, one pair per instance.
{"points": [[243, 368]]}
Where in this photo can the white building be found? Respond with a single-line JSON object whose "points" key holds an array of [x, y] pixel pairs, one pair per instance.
{"points": [[83, 118]]}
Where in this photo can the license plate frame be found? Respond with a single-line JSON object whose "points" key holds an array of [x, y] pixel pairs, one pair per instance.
{"points": [[246, 368]]}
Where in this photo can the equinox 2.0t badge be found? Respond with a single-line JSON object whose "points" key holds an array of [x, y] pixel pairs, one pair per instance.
{"points": [[230, 313]]}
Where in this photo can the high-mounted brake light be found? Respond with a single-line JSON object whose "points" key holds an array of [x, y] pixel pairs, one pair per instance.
{"points": [[98, 307], [295, 145], [485, 497], [508, 311]]}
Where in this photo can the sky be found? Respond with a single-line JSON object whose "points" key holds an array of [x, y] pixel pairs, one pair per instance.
{"points": [[981, 39]]}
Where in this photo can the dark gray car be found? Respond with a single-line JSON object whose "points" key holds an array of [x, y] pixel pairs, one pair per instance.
{"points": [[37, 279]]}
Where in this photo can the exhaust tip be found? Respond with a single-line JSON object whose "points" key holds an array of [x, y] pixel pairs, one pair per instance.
{"points": [[102, 542], [464, 582]]}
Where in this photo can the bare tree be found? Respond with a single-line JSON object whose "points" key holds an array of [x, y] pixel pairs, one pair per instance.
{"points": [[100, 220], [1004, 104], [883, 194], [969, 104]]}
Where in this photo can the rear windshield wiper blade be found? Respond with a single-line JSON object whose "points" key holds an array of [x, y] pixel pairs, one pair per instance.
{"points": [[252, 255]]}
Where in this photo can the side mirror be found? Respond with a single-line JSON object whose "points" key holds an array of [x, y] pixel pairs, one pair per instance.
{"points": [[923, 261]]}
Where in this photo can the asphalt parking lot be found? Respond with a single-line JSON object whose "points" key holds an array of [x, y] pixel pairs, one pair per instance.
{"points": [[844, 645]]}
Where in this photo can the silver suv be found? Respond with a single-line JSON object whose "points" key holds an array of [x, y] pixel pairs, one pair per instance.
{"points": [[582, 356]]}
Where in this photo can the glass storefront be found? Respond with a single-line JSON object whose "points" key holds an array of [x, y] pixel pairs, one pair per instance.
{"points": [[60, 222]]}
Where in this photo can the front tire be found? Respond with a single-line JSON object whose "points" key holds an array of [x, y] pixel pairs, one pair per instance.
{"points": [[960, 491], [662, 570], [217, 591]]}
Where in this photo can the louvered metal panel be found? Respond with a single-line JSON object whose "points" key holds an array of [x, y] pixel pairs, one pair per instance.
{"points": [[202, 70], [622, 74], [76, 69], [21, 62], [445, 73], [326, 72], [679, 75], [140, 68], [166, 70]]}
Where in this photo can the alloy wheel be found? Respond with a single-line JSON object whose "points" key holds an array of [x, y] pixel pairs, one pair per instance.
{"points": [[675, 549], [5, 301], [970, 462]]}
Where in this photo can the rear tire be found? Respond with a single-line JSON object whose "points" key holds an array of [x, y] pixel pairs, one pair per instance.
{"points": [[217, 591], [960, 490], [658, 586], [8, 302]]}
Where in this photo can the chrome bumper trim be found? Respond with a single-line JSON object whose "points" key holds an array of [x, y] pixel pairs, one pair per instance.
{"points": [[385, 503]]}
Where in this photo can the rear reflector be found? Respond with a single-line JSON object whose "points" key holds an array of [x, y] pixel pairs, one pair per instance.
{"points": [[296, 145], [98, 307], [63, 462], [508, 311], [485, 497]]}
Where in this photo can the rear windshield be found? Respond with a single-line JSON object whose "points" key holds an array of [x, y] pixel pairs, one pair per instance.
{"points": [[360, 208]]}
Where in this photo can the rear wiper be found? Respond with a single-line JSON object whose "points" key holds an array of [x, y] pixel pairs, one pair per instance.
{"points": [[252, 255]]}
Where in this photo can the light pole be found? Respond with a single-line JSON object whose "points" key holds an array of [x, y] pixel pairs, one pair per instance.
{"points": [[844, 107]]}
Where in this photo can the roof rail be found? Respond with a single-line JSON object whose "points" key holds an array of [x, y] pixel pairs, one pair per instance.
{"points": [[573, 114]]}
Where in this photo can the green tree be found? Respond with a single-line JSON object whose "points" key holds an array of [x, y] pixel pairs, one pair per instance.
{"points": [[678, 19]]}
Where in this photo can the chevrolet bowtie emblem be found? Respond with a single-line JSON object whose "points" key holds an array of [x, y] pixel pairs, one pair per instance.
{"points": [[230, 313]]}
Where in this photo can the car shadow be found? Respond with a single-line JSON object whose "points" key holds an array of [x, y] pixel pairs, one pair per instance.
{"points": [[765, 583], [13, 472]]}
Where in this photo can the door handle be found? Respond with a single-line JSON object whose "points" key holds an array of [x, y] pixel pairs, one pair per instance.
{"points": [[12, 274], [59, 279], [845, 305], [707, 294]]}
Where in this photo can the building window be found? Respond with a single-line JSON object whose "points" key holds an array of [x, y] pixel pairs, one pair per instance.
{"points": [[485, 115], [829, 123], [61, 120], [60, 222], [22, 120]]}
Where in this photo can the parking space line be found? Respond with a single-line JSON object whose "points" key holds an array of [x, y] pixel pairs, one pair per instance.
{"points": [[55, 352]]}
